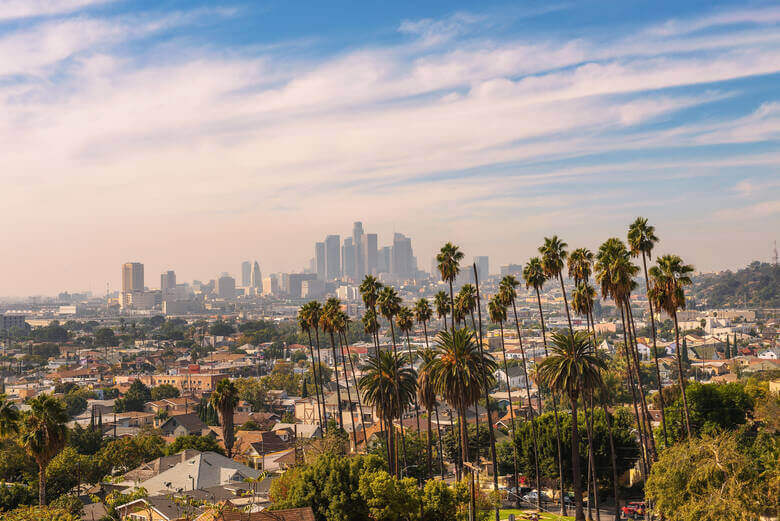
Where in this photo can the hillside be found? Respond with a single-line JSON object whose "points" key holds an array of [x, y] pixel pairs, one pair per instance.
{"points": [[754, 286]]}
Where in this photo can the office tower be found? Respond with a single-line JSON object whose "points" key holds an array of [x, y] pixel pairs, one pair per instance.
{"points": [[270, 285], [348, 259], [132, 276], [295, 283], [384, 260], [512, 269], [168, 283], [226, 287], [333, 257], [360, 257], [257, 278], [132, 283], [371, 253], [402, 257], [483, 267], [246, 274], [319, 260]]}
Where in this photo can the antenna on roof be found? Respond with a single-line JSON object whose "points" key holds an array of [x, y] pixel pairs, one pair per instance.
{"points": [[775, 251]]}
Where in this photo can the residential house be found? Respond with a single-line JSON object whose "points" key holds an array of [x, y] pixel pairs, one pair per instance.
{"points": [[183, 425]]}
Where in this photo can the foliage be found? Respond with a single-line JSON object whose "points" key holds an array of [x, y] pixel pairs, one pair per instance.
{"points": [[221, 328], [713, 408], [250, 390], [127, 453], [15, 464], [69, 503], [164, 391], [753, 286], [87, 440], [74, 404], [715, 478], [69, 468], [387, 498], [201, 443], [54, 332], [13, 495], [38, 513], [134, 399], [105, 337]]}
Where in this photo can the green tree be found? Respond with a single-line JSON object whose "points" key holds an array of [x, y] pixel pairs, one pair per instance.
{"points": [[388, 498], [9, 417], [134, 399], [69, 469], [448, 260], [224, 399], [74, 404], [104, 337], [164, 391], [195, 442], [39, 513], [43, 435], [442, 305], [221, 328], [125, 454], [86, 440], [713, 408]]}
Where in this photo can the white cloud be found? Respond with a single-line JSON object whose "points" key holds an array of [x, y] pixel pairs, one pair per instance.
{"points": [[14, 9]]}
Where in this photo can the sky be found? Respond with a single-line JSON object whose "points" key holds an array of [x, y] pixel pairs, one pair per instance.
{"points": [[193, 135]]}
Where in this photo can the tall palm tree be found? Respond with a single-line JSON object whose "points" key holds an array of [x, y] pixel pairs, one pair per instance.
{"points": [[304, 322], [458, 372], [224, 400], [580, 264], [449, 258], [343, 328], [9, 417], [670, 276], [422, 314], [442, 305], [508, 295], [554, 253], [642, 240], [427, 397], [341, 321], [389, 387], [615, 258], [572, 369], [389, 303], [497, 314], [405, 324], [329, 324], [43, 435], [314, 314], [369, 291], [467, 299], [535, 276]]}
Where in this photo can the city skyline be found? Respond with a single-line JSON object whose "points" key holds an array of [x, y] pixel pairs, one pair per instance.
{"points": [[490, 125]]}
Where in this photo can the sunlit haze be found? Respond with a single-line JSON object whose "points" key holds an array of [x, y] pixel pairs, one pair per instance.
{"points": [[196, 135]]}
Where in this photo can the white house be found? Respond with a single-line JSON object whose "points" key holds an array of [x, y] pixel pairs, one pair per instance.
{"points": [[516, 376]]}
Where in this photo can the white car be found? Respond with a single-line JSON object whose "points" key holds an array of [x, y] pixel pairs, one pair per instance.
{"points": [[532, 497]]}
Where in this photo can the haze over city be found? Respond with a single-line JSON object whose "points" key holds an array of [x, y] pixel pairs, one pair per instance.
{"points": [[190, 136]]}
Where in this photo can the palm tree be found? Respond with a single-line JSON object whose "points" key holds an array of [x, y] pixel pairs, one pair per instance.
{"points": [[467, 299], [405, 325], [44, 435], [580, 265], [314, 313], [670, 276], [329, 324], [9, 417], [389, 303], [304, 322], [508, 295], [389, 387], [369, 291], [615, 273], [642, 240], [422, 314], [553, 259], [224, 399], [341, 321], [343, 327], [458, 372], [572, 369], [535, 276], [442, 304], [427, 396], [497, 314], [449, 258]]}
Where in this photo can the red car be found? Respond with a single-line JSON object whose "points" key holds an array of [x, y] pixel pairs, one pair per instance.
{"points": [[634, 509]]}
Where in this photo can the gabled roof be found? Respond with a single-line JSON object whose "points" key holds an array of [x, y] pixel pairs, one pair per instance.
{"points": [[207, 469]]}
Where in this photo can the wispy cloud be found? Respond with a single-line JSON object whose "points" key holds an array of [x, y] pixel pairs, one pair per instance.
{"points": [[15, 9]]}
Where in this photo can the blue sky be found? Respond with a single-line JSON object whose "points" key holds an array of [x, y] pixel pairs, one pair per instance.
{"points": [[192, 135]]}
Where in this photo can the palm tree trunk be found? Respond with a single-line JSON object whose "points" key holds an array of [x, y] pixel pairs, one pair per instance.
{"points": [[531, 407], [645, 410], [680, 375], [41, 484], [511, 417], [655, 351], [314, 374], [324, 412], [398, 398], [357, 391], [575, 463], [566, 304], [592, 460], [634, 400], [349, 397], [555, 411], [445, 321], [336, 374], [438, 435], [491, 431], [416, 403], [459, 452]]}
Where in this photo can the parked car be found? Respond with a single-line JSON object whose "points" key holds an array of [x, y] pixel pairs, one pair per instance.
{"points": [[634, 510], [532, 497]]}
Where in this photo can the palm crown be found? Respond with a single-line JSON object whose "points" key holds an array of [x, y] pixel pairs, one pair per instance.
{"points": [[553, 253], [449, 261], [571, 366], [385, 382], [497, 309], [422, 311], [389, 302], [534, 273], [405, 319], [641, 237], [442, 303], [369, 290], [580, 265], [669, 277]]}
